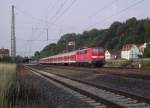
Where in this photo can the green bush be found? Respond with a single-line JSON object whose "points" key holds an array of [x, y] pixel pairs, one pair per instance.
{"points": [[147, 52]]}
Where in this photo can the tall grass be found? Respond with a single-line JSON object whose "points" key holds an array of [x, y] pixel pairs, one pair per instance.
{"points": [[146, 63], [7, 78]]}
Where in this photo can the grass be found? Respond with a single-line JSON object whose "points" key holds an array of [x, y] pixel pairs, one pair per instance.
{"points": [[146, 63], [126, 63], [118, 63], [7, 78]]}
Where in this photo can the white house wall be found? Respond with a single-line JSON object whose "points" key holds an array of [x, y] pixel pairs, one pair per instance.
{"points": [[107, 55], [130, 54], [125, 54], [134, 52]]}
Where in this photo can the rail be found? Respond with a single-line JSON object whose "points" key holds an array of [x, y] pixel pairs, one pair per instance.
{"points": [[109, 97]]}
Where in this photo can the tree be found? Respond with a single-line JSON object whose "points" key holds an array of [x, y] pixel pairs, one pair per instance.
{"points": [[147, 51], [119, 33], [37, 55], [147, 29]]}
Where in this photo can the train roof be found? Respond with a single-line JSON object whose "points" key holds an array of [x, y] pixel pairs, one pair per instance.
{"points": [[62, 54], [67, 53]]}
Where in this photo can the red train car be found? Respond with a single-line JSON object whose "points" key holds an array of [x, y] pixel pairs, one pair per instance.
{"points": [[88, 56]]}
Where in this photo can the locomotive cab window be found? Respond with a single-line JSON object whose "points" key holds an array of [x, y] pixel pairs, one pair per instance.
{"points": [[83, 52], [97, 50], [78, 53]]}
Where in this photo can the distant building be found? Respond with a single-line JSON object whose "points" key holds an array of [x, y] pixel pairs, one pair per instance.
{"points": [[110, 55], [130, 51], [4, 53], [107, 55]]}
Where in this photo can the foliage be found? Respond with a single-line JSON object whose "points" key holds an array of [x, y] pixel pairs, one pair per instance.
{"points": [[36, 55], [118, 34], [146, 63], [118, 63], [147, 51], [126, 63]]}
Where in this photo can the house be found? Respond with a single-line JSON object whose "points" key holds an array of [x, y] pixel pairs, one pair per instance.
{"points": [[4, 53], [130, 52], [109, 55]]}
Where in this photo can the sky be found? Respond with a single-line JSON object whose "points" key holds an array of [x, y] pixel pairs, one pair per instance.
{"points": [[33, 17]]}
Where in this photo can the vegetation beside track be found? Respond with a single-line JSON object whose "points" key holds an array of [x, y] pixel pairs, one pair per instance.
{"points": [[118, 63], [7, 79], [146, 63]]}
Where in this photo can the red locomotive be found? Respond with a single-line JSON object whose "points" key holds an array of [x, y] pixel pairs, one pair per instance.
{"points": [[88, 56]]}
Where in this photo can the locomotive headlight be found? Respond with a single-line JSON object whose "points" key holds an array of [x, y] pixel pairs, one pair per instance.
{"points": [[97, 56]]}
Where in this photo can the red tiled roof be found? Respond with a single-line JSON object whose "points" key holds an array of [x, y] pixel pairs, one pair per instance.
{"points": [[127, 47], [116, 53], [139, 45]]}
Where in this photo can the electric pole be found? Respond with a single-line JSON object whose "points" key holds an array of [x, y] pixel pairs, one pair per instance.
{"points": [[47, 33], [13, 38]]}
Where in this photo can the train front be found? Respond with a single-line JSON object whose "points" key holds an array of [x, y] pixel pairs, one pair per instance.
{"points": [[98, 56]]}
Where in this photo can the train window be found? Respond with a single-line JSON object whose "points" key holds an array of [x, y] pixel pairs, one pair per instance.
{"points": [[98, 50], [83, 52]]}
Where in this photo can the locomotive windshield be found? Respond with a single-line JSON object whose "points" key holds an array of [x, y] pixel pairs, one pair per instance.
{"points": [[98, 50]]}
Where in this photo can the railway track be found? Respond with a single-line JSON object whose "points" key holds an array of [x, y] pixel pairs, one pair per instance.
{"points": [[97, 70], [122, 72], [100, 97]]}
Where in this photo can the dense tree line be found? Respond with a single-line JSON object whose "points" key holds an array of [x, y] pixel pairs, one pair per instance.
{"points": [[118, 34], [147, 51]]}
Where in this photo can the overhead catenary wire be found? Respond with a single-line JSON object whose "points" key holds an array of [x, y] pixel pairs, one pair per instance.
{"points": [[59, 10], [66, 9], [102, 9], [52, 8], [33, 17], [117, 13], [41, 20], [71, 4], [51, 18], [29, 15], [57, 18], [30, 40], [54, 16]]}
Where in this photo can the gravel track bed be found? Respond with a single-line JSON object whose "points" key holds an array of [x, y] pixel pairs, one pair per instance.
{"points": [[35, 92], [135, 86]]}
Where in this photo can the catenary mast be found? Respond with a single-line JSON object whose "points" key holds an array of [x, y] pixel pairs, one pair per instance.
{"points": [[13, 38]]}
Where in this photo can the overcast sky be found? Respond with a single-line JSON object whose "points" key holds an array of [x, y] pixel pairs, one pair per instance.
{"points": [[60, 17]]}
